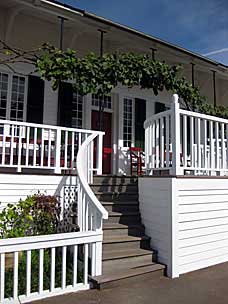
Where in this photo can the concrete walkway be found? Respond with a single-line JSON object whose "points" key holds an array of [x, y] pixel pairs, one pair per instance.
{"points": [[207, 286]]}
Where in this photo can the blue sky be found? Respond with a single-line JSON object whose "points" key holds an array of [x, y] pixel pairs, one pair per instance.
{"points": [[198, 25]]}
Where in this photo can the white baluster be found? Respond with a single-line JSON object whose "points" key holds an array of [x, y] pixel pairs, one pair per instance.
{"points": [[72, 151], [86, 264], [27, 147], [99, 153], [205, 156], [185, 140], [66, 149], [4, 144], [49, 148], [157, 160], [153, 144], [162, 151], [34, 146], [52, 287], [42, 148], [222, 147], [58, 151], [192, 140], [217, 144], [211, 145], [19, 149], [75, 265], [226, 146], [15, 276], [198, 143], [2, 277], [64, 251], [28, 273], [41, 270], [12, 145], [167, 160]]}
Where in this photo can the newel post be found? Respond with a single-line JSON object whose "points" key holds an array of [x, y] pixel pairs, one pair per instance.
{"points": [[175, 135]]}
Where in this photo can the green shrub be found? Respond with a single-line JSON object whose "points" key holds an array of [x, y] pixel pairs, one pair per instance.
{"points": [[36, 215]]}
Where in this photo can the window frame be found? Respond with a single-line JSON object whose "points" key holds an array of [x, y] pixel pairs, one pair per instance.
{"points": [[132, 122], [82, 111], [96, 107], [9, 94]]}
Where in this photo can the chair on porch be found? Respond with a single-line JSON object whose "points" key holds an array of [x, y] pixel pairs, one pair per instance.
{"points": [[137, 160]]}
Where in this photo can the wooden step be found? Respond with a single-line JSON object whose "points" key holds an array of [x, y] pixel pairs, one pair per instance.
{"points": [[126, 253], [116, 229], [115, 188], [124, 217], [127, 256], [121, 206], [112, 266], [115, 180], [128, 275], [125, 242], [116, 196]]}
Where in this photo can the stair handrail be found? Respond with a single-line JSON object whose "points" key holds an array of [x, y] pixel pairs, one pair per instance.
{"points": [[84, 185]]}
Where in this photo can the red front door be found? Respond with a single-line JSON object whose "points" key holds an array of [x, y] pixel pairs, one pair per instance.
{"points": [[107, 142]]}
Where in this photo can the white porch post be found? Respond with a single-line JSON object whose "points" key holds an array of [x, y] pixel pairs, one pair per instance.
{"points": [[96, 259], [175, 136]]}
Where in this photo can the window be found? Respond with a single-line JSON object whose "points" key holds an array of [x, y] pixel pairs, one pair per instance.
{"points": [[12, 105], [127, 122], [17, 98], [106, 101], [77, 110]]}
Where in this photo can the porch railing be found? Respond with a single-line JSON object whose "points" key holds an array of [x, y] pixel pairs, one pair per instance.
{"points": [[184, 142], [44, 266], [27, 145]]}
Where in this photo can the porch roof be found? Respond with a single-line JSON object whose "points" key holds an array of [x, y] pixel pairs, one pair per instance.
{"points": [[136, 32]]}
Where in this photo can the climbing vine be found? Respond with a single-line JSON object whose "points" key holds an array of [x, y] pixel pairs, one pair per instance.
{"points": [[100, 75]]}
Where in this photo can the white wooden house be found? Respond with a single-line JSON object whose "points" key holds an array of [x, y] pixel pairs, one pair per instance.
{"points": [[48, 141]]}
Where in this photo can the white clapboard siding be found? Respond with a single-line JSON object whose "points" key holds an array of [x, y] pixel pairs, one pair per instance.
{"points": [[155, 203], [203, 207], [187, 220], [187, 234], [203, 223], [14, 187]]}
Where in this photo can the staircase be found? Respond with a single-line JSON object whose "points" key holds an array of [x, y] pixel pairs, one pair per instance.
{"points": [[126, 249]]}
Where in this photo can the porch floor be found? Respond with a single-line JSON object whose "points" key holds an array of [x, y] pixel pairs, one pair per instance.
{"points": [[205, 286]]}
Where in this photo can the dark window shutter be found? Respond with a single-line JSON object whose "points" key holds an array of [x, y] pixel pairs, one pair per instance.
{"points": [[65, 104], [35, 100], [159, 107], [140, 117]]}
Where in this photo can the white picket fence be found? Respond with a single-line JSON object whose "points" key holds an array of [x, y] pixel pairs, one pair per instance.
{"points": [[185, 142], [80, 248]]}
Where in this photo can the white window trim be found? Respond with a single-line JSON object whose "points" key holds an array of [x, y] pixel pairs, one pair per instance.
{"points": [[83, 110], [96, 108], [133, 120], [9, 93]]}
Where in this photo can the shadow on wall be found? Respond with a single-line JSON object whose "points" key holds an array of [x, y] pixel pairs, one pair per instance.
{"points": [[123, 161]]}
